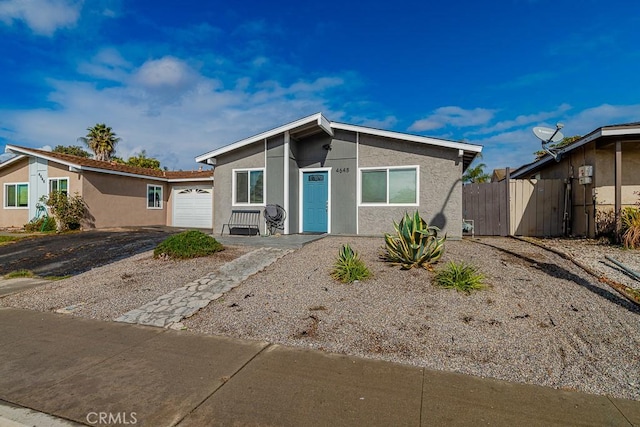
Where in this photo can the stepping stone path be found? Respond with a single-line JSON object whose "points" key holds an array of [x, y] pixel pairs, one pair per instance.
{"points": [[168, 310]]}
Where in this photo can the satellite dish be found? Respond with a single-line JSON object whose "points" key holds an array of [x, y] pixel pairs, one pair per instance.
{"points": [[547, 135]]}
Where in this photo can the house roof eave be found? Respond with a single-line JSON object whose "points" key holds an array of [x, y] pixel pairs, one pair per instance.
{"points": [[322, 122]]}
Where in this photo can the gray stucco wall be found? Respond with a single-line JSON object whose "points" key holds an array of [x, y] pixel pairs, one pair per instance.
{"points": [[252, 156], [341, 158], [440, 198]]}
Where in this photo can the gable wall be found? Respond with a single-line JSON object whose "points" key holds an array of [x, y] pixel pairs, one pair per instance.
{"points": [[440, 179]]}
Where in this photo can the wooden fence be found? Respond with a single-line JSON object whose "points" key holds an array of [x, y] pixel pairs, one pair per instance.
{"points": [[521, 208]]}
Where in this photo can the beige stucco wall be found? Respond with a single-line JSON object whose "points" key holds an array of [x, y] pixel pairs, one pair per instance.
{"points": [[440, 196], [115, 201], [252, 156], [56, 170], [17, 172], [599, 196]]}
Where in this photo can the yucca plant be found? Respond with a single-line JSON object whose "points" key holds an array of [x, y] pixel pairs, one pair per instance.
{"points": [[349, 267], [460, 276], [631, 227], [415, 244]]}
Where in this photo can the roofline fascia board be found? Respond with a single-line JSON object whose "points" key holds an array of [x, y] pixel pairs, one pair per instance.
{"points": [[12, 160], [620, 131], [579, 143], [317, 118], [408, 137], [48, 158], [131, 175]]}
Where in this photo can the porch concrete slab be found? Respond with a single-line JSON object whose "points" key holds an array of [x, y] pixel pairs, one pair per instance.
{"points": [[157, 382], [19, 284], [293, 387], [288, 241], [456, 399]]}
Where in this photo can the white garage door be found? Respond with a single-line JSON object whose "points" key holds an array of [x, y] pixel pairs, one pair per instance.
{"points": [[192, 207]]}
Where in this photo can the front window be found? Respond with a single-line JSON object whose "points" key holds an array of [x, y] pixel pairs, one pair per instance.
{"points": [[389, 186], [154, 197], [16, 195], [248, 187], [59, 184]]}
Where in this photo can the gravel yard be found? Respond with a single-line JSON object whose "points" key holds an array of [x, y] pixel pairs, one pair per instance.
{"points": [[111, 290], [542, 320]]}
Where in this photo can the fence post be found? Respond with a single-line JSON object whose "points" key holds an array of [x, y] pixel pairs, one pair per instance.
{"points": [[507, 180]]}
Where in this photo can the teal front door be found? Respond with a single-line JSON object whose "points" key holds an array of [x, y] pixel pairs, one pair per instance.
{"points": [[315, 202]]}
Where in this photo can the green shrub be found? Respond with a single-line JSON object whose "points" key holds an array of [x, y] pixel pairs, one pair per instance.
{"points": [[349, 267], [45, 223], [631, 227], [460, 276], [19, 273], [67, 210], [188, 244], [416, 244]]}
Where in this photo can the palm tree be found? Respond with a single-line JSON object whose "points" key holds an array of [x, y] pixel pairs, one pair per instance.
{"points": [[476, 175], [101, 140]]}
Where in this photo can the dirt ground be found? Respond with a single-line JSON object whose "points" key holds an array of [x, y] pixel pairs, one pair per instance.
{"points": [[74, 253]]}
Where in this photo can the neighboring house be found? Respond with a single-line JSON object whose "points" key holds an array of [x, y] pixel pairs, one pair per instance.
{"points": [[116, 195], [600, 171], [342, 179]]}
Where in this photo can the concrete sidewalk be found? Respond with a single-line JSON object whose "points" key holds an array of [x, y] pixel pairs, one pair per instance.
{"points": [[90, 371]]}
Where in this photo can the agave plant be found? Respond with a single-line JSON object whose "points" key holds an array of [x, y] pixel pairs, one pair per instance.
{"points": [[349, 267], [631, 227], [416, 244]]}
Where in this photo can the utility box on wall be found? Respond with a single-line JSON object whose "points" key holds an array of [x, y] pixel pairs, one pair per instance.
{"points": [[585, 174]]}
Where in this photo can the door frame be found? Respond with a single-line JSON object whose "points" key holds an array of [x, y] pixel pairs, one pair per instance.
{"points": [[301, 197]]}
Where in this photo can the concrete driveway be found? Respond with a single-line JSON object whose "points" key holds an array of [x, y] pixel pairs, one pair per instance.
{"points": [[75, 253]]}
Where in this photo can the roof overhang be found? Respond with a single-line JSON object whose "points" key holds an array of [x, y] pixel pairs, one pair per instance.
{"points": [[603, 132], [301, 128], [74, 167], [14, 159]]}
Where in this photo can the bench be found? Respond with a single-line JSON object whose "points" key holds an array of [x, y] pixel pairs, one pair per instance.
{"points": [[243, 222]]}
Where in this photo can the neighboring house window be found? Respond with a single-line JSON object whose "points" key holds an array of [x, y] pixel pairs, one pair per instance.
{"points": [[389, 185], [154, 197], [59, 184], [16, 195], [248, 187]]}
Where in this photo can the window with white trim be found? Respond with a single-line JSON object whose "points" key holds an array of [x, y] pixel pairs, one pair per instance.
{"points": [[16, 195], [248, 187], [154, 196], [59, 184], [389, 186]]}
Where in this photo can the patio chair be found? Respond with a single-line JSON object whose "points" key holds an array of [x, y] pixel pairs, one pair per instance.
{"points": [[274, 215]]}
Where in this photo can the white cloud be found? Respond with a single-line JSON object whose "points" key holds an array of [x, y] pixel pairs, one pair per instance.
{"points": [[107, 64], [43, 17], [167, 108], [453, 116], [522, 120]]}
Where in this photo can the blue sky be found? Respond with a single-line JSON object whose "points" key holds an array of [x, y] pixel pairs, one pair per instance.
{"points": [[181, 78]]}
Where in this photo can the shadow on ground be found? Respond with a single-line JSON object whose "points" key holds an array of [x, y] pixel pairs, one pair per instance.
{"points": [[74, 253]]}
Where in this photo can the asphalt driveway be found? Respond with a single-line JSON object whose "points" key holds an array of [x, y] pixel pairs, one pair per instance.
{"points": [[75, 253]]}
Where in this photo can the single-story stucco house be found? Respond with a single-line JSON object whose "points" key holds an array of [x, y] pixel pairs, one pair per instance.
{"points": [[116, 195], [340, 178], [601, 174]]}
